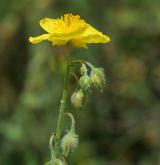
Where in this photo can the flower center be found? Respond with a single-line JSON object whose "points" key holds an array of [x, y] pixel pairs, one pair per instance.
{"points": [[69, 24], [70, 19]]}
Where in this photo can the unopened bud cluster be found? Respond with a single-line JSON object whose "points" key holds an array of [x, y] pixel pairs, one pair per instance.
{"points": [[91, 77], [69, 143], [94, 78]]}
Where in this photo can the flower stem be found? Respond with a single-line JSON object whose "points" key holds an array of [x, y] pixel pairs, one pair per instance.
{"points": [[51, 149], [62, 108]]}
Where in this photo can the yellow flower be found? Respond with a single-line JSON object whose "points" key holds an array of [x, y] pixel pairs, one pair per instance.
{"points": [[69, 28]]}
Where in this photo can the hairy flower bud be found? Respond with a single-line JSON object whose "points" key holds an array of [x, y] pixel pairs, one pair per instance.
{"points": [[84, 82], [83, 69], [70, 140], [69, 143], [77, 98], [97, 78], [58, 162]]}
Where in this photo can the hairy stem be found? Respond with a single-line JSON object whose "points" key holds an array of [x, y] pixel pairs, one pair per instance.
{"points": [[62, 108], [63, 103], [51, 149]]}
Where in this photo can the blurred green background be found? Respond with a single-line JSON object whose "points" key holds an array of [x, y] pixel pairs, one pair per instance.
{"points": [[120, 126]]}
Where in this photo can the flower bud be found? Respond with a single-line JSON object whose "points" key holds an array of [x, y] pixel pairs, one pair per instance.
{"points": [[69, 143], [84, 82], [70, 140], [58, 162], [83, 69], [77, 98], [97, 78]]}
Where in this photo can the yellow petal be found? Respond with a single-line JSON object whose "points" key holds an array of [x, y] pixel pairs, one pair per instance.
{"points": [[79, 43], [47, 24], [59, 29], [59, 42], [91, 35], [35, 40]]}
